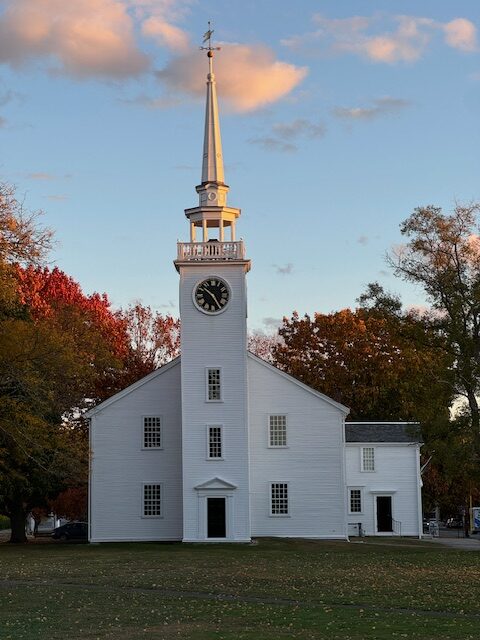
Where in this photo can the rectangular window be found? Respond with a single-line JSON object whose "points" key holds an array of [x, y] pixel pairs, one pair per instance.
{"points": [[368, 459], [152, 500], [279, 499], [355, 501], [152, 432], [214, 389], [215, 442], [277, 431]]}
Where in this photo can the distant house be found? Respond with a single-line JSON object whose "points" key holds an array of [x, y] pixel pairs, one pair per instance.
{"points": [[383, 478]]}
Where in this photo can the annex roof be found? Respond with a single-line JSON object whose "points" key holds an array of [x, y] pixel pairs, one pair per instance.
{"points": [[407, 432]]}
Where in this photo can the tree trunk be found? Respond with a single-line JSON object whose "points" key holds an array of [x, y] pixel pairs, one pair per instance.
{"points": [[17, 521]]}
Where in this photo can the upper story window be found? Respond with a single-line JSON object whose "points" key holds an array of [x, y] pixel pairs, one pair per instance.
{"points": [[277, 431], [214, 385], [152, 500], [368, 459], [152, 432], [215, 444], [279, 499], [355, 503]]}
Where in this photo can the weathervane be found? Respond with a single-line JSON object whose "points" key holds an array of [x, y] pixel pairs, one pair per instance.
{"points": [[207, 37]]}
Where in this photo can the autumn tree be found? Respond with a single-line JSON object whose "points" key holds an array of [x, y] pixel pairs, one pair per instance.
{"points": [[377, 364], [152, 340], [263, 344], [56, 346]]}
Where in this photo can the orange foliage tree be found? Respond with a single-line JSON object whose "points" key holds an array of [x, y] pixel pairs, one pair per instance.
{"points": [[381, 366]]}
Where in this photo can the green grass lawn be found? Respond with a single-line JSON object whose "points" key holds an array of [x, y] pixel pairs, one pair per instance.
{"points": [[275, 589]]}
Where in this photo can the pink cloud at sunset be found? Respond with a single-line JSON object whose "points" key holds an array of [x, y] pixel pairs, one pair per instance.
{"points": [[165, 34], [383, 39], [250, 75], [85, 37], [461, 34]]}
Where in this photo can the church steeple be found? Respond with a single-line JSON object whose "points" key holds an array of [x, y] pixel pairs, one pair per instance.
{"points": [[212, 214], [212, 167]]}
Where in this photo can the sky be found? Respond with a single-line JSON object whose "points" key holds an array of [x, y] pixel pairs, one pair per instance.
{"points": [[337, 118]]}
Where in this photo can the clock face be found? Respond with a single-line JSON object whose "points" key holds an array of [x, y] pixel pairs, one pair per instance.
{"points": [[212, 295]]}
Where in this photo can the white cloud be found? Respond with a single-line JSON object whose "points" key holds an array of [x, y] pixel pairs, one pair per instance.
{"points": [[165, 34], [283, 135], [461, 34], [274, 144], [272, 323], [41, 175], [383, 39], [381, 107], [285, 270], [249, 75], [84, 37]]}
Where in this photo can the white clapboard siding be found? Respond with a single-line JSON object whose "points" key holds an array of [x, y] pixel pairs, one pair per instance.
{"points": [[217, 341], [119, 465], [396, 474], [312, 463]]}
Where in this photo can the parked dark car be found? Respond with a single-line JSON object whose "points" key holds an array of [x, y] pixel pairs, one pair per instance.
{"points": [[71, 531]]}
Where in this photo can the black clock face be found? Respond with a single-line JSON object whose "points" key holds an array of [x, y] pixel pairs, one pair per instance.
{"points": [[212, 295]]}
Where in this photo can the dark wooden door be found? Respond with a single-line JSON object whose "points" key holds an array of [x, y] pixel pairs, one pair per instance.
{"points": [[384, 513], [216, 527]]}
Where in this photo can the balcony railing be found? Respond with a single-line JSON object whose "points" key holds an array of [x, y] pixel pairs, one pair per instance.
{"points": [[214, 250]]}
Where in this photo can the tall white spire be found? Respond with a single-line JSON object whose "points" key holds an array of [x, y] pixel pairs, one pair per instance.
{"points": [[212, 217], [212, 166]]}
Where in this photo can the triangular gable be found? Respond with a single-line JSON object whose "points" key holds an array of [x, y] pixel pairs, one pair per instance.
{"points": [[133, 387], [216, 483], [345, 410]]}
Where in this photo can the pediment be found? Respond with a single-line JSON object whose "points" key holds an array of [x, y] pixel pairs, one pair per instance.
{"points": [[216, 483]]}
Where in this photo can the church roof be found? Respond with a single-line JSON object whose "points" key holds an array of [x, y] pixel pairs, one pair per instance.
{"points": [[402, 432]]}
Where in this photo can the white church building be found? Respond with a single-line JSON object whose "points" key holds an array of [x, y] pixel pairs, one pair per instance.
{"points": [[219, 445]]}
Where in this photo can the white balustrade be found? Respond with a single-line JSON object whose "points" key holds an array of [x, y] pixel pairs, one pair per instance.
{"points": [[214, 250]]}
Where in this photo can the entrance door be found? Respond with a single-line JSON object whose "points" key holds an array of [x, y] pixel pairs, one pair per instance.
{"points": [[384, 514], [216, 527]]}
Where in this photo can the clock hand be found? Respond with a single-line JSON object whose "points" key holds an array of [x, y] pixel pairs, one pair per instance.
{"points": [[212, 295]]}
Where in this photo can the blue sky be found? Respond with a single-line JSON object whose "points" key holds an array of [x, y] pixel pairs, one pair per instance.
{"points": [[338, 119]]}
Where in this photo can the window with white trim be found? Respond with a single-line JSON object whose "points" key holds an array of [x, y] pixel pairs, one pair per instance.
{"points": [[214, 388], [279, 499], [152, 432], [277, 431], [214, 442], [355, 502], [152, 500], [368, 459]]}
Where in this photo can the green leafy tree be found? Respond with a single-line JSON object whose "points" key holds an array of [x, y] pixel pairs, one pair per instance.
{"points": [[442, 256]]}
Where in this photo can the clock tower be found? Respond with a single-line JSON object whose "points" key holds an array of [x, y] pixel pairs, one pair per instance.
{"points": [[213, 310]]}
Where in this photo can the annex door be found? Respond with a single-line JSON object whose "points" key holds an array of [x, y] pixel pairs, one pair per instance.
{"points": [[384, 514], [216, 525]]}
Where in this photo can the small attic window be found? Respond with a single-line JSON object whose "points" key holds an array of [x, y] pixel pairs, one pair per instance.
{"points": [[368, 459]]}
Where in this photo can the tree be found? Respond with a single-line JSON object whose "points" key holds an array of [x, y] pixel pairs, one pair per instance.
{"points": [[152, 341], [263, 345], [442, 255], [378, 364]]}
